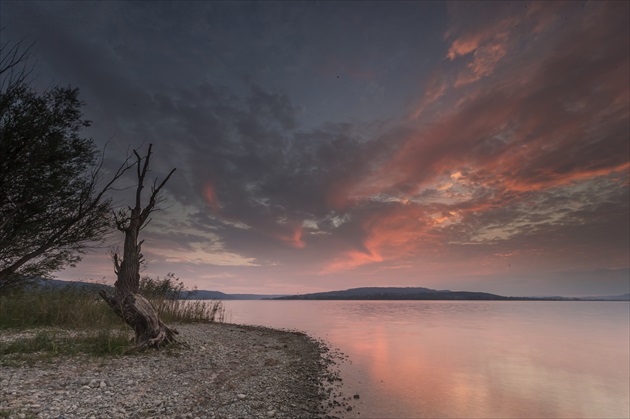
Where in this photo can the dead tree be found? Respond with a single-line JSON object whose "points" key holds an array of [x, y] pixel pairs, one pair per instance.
{"points": [[126, 302]]}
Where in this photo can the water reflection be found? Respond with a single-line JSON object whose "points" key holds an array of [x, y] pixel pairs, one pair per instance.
{"points": [[469, 359]]}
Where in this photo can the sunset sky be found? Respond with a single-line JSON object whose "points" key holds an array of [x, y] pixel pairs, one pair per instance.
{"points": [[331, 145]]}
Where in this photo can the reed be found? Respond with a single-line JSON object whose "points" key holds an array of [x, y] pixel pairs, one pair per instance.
{"points": [[74, 319], [189, 311], [68, 307], [76, 307]]}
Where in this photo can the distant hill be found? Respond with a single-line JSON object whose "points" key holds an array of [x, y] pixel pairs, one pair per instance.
{"points": [[417, 293], [410, 293], [195, 295], [57, 283], [218, 295], [364, 293], [623, 297]]}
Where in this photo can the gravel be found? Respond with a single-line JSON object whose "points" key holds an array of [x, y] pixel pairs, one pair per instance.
{"points": [[223, 371]]}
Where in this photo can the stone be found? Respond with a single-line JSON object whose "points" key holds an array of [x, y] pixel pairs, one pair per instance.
{"points": [[180, 382]]}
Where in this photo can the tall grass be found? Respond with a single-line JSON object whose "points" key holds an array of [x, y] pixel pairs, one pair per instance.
{"points": [[189, 311], [67, 307], [175, 304], [80, 309]]}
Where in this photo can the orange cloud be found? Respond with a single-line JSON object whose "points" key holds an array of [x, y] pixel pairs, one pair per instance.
{"points": [[394, 235], [476, 37], [484, 61], [210, 194], [552, 180], [294, 239], [466, 45], [549, 126], [350, 260], [436, 88]]}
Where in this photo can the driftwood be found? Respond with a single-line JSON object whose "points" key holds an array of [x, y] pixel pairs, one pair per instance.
{"points": [[127, 303], [138, 313]]}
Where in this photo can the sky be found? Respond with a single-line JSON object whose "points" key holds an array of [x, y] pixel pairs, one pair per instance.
{"points": [[330, 145]]}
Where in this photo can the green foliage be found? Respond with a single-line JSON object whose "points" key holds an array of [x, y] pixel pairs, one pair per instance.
{"points": [[47, 344], [49, 207], [68, 307]]}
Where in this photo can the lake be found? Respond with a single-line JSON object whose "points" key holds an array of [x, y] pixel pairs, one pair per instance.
{"points": [[468, 359]]}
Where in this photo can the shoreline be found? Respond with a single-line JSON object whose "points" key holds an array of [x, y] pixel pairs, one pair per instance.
{"points": [[224, 371]]}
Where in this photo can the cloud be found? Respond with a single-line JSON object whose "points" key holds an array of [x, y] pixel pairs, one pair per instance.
{"points": [[485, 58], [294, 238], [515, 152], [211, 197], [555, 120]]}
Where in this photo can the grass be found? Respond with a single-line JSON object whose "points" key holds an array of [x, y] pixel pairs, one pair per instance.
{"points": [[82, 322], [68, 307], [50, 342], [189, 311]]}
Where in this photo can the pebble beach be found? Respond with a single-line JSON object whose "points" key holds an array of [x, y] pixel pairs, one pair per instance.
{"points": [[221, 371]]}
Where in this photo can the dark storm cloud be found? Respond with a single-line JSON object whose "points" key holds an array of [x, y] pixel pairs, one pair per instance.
{"points": [[301, 142]]}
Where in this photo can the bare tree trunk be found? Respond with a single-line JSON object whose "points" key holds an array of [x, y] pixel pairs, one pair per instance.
{"points": [[127, 303]]}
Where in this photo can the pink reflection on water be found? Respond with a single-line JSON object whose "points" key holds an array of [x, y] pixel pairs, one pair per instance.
{"points": [[469, 359]]}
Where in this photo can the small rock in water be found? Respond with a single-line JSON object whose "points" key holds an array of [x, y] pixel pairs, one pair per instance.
{"points": [[241, 396]]}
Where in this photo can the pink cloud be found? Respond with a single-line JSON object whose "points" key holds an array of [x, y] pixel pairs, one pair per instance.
{"points": [[294, 239], [210, 194], [553, 117], [436, 87], [485, 59], [392, 235]]}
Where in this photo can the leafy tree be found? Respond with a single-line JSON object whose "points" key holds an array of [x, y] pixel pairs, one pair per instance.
{"points": [[51, 208]]}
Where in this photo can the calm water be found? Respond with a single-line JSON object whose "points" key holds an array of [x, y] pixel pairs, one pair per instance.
{"points": [[415, 359]]}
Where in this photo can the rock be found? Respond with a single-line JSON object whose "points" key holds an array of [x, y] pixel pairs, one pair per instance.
{"points": [[356, 396], [180, 382]]}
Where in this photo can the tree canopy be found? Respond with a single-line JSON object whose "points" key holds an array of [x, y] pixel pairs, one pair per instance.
{"points": [[50, 207]]}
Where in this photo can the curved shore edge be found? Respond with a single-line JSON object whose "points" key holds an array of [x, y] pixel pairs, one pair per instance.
{"points": [[223, 371]]}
